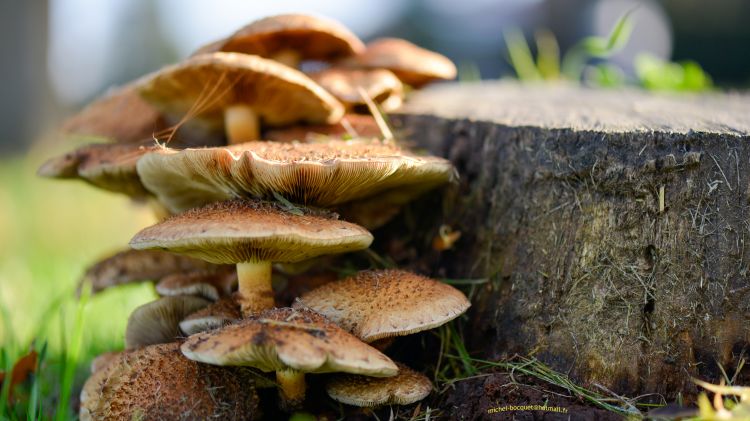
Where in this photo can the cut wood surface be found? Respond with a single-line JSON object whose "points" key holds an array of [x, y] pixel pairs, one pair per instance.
{"points": [[612, 226]]}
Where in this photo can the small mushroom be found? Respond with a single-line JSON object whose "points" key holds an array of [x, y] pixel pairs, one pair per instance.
{"points": [[291, 343], [405, 388], [412, 64], [291, 38], [379, 304], [157, 382], [253, 235], [317, 174], [158, 322], [236, 91], [210, 285], [380, 85], [138, 266], [221, 313]]}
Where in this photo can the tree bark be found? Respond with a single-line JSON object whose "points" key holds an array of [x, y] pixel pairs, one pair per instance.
{"points": [[611, 226]]}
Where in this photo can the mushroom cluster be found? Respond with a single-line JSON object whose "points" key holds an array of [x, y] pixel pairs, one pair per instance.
{"points": [[254, 166]]}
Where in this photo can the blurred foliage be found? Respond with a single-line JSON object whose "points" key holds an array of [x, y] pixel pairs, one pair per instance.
{"points": [[587, 62], [735, 408]]}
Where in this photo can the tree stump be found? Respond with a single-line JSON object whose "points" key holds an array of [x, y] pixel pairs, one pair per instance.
{"points": [[611, 226]]}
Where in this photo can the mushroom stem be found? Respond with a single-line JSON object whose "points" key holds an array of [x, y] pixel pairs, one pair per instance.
{"points": [[255, 292], [158, 209], [241, 124], [291, 388], [289, 57]]}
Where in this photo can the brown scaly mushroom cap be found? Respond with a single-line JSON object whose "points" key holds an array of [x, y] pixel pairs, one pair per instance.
{"points": [[237, 92], [291, 38], [317, 174], [384, 303], [380, 85], [102, 360], [157, 382], [253, 234], [120, 115], [138, 266], [211, 285], [290, 342], [407, 387], [158, 322], [221, 313], [412, 64]]}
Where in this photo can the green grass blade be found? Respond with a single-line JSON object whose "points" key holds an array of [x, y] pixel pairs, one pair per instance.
{"points": [[71, 355], [520, 56], [548, 55]]}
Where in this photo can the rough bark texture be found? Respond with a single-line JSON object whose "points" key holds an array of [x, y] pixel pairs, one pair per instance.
{"points": [[611, 224]]}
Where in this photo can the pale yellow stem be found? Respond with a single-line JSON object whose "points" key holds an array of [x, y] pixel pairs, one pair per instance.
{"points": [[241, 124], [256, 294], [289, 57], [291, 389]]}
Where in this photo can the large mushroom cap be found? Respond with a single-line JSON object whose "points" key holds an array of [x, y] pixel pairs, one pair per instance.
{"points": [[407, 387], [312, 37], [138, 266], [318, 174], [380, 304], [159, 321], [246, 231], [412, 64], [380, 85], [157, 382], [285, 338], [278, 94]]}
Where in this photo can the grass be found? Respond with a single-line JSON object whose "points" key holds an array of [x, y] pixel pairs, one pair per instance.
{"points": [[51, 230]]}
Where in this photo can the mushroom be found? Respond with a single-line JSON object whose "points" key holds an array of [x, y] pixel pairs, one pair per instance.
{"points": [[380, 85], [412, 64], [109, 166], [318, 174], [211, 285], [253, 235], [405, 388], [379, 304], [224, 311], [137, 266], [157, 382], [101, 361], [291, 343], [237, 91], [291, 38], [158, 322]]}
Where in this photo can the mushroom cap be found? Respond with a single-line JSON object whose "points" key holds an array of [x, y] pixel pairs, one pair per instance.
{"points": [[285, 338], [279, 94], [210, 285], [313, 37], [101, 361], [383, 303], [318, 174], [137, 266], [159, 321], [405, 388], [224, 311], [412, 64], [250, 231], [109, 166], [157, 382], [120, 115], [380, 85]]}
